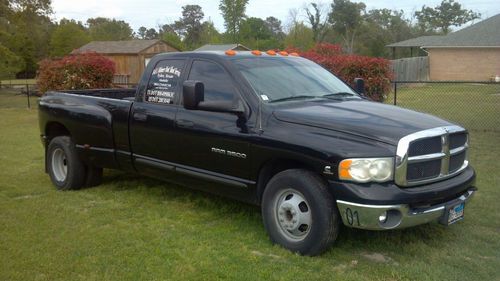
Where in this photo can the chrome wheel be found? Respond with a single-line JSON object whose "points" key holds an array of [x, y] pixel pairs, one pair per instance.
{"points": [[292, 215], [59, 164]]}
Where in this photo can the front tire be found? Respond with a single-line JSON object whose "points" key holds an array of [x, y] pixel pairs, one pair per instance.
{"points": [[65, 168], [299, 213]]}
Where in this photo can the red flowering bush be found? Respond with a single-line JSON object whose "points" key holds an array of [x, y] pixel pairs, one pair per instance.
{"points": [[81, 71], [375, 71]]}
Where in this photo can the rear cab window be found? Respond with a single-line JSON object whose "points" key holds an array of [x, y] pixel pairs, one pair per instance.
{"points": [[164, 82]]}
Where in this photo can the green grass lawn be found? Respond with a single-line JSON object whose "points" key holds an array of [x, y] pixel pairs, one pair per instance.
{"points": [[18, 81], [475, 106], [134, 228]]}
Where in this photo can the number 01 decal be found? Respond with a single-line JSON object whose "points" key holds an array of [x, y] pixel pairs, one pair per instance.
{"points": [[352, 217]]}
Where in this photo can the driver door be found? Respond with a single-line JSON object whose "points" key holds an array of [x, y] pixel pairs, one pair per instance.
{"points": [[216, 143]]}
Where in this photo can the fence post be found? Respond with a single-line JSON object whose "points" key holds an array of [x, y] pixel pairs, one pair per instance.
{"points": [[28, 94], [395, 92]]}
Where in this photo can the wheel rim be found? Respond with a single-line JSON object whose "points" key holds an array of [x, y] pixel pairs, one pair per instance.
{"points": [[59, 164], [293, 215]]}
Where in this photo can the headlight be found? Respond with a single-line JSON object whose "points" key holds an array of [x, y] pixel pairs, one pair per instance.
{"points": [[366, 169]]}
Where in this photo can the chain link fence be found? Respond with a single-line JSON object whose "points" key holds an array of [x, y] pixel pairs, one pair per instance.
{"points": [[18, 95], [473, 104]]}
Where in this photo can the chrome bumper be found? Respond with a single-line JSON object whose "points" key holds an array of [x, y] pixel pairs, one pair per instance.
{"points": [[398, 216]]}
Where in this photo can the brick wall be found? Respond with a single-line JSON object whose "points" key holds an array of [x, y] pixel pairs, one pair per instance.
{"points": [[464, 63]]}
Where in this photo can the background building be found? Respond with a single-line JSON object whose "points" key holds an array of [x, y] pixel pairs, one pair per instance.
{"points": [[130, 57], [472, 53]]}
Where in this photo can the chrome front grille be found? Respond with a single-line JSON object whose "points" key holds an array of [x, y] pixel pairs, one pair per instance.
{"points": [[431, 155]]}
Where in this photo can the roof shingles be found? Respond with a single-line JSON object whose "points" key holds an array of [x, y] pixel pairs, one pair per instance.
{"points": [[222, 47], [117, 47], [485, 33]]}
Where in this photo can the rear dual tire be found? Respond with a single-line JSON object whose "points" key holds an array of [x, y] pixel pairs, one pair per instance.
{"points": [[66, 169], [299, 213]]}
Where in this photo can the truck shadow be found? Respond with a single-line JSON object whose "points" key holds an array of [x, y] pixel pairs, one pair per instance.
{"points": [[177, 189], [349, 240]]}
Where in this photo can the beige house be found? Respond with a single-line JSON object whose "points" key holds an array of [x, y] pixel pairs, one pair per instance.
{"points": [[130, 57], [464, 63], [470, 54]]}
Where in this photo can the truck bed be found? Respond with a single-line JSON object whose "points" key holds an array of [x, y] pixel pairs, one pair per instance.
{"points": [[116, 93], [97, 120]]}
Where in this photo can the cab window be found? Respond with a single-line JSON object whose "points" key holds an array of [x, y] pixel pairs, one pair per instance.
{"points": [[164, 82], [218, 85]]}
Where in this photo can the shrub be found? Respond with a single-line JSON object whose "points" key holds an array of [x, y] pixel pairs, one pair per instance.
{"points": [[80, 71], [375, 71]]}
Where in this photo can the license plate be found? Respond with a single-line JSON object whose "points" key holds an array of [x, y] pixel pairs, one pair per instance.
{"points": [[456, 213]]}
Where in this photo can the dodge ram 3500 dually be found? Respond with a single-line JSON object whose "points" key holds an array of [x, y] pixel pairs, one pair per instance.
{"points": [[272, 129]]}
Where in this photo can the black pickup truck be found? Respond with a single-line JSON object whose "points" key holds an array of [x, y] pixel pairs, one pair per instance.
{"points": [[275, 130]]}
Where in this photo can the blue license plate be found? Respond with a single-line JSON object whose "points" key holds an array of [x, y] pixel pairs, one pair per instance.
{"points": [[456, 213]]}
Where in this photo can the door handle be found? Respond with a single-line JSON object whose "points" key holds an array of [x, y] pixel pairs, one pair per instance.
{"points": [[140, 116], [184, 123]]}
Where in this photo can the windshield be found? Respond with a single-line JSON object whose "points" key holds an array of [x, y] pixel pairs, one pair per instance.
{"points": [[279, 79]]}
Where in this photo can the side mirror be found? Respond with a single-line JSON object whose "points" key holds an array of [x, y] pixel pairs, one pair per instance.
{"points": [[359, 85], [193, 93], [193, 97]]}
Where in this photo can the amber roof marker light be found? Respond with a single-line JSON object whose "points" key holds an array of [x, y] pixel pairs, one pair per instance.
{"points": [[230, 52], [256, 53], [294, 54], [283, 53], [271, 53]]}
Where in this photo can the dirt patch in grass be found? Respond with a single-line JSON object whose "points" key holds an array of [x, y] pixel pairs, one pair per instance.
{"points": [[377, 257]]}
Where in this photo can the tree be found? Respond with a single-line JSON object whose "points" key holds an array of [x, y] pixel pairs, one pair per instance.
{"points": [[5, 9], [151, 34], [67, 36], [274, 26], [449, 13], [233, 12], [293, 19], [5, 25], [255, 33], [346, 19], [382, 27], [300, 36], [28, 32], [104, 29], [141, 32], [37, 7], [254, 28], [318, 22], [189, 26], [165, 28], [209, 34], [10, 64], [168, 35]]}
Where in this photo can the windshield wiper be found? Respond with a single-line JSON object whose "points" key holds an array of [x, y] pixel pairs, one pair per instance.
{"points": [[295, 98], [338, 94]]}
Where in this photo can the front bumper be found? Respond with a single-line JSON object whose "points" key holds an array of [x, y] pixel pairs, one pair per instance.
{"points": [[398, 216]]}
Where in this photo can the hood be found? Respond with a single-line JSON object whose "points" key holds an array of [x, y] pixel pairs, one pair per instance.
{"points": [[382, 122]]}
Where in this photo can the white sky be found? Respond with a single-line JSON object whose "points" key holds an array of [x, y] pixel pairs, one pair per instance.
{"points": [[150, 13]]}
